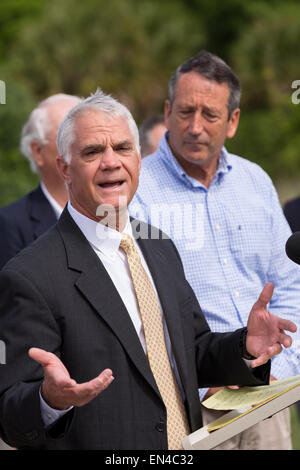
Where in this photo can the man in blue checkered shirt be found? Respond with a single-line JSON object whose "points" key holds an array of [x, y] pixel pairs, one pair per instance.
{"points": [[223, 214]]}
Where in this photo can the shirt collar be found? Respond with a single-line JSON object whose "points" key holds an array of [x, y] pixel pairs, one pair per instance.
{"points": [[102, 238], [224, 166], [53, 203], [225, 162]]}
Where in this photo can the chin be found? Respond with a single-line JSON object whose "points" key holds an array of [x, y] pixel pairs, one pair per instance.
{"points": [[116, 205], [196, 159]]}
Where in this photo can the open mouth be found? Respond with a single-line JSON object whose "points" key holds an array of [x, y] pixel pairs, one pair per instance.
{"points": [[111, 184]]}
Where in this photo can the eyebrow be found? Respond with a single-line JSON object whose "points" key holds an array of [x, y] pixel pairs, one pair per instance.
{"points": [[89, 147], [100, 147], [191, 107], [122, 143], [212, 109]]}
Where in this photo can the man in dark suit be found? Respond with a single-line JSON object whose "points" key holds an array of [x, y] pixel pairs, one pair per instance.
{"points": [[76, 300], [292, 213], [26, 219]]}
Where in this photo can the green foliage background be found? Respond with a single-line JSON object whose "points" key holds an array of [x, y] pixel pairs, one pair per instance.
{"points": [[129, 48]]}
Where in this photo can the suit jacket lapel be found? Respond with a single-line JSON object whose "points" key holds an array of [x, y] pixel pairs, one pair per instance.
{"points": [[97, 287]]}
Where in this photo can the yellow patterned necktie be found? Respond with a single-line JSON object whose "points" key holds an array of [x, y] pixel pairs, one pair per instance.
{"points": [[177, 424]]}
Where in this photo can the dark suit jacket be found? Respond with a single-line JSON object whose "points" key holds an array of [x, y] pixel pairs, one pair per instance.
{"points": [[292, 213], [22, 222], [68, 304]]}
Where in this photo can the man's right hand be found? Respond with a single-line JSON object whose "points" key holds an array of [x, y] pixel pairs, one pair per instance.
{"points": [[58, 389]]}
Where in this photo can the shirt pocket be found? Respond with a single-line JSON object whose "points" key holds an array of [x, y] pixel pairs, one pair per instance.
{"points": [[237, 238], [249, 239]]}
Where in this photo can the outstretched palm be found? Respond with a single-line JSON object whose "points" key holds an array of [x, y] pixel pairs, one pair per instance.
{"points": [[59, 390], [266, 332]]}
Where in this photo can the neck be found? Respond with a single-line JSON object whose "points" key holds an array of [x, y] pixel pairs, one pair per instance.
{"points": [[203, 172]]}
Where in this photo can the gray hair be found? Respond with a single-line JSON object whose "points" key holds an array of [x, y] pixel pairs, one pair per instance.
{"points": [[213, 68], [38, 126], [98, 101]]}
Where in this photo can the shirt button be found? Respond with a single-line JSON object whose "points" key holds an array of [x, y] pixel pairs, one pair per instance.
{"points": [[236, 293], [218, 227], [225, 261]]}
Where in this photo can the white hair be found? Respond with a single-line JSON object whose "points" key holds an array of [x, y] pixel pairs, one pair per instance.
{"points": [[38, 125], [98, 101]]}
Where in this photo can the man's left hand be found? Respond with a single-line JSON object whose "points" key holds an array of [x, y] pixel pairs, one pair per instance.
{"points": [[266, 332]]}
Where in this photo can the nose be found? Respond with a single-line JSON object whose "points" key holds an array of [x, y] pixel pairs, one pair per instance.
{"points": [[109, 160], [196, 124]]}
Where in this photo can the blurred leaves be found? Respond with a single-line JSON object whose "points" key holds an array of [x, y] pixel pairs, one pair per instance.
{"points": [[267, 56], [13, 15], [130, 48], [126, 48], [267, 60], [15, 176]]}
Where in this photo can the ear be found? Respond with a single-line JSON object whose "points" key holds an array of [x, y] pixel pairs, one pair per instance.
{"points": [[36, 150], [167, 113], [139, 161], [233, 123], [63, 169]]}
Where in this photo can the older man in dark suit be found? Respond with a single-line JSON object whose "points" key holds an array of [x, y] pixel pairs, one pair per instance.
{"points": [[117, 342], [26, 219]]}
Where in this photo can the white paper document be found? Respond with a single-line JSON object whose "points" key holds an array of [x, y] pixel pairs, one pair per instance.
{"points": [[248, 406], [244, 397]]}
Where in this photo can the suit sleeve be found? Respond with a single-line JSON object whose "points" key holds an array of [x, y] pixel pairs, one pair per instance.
{"points": [[25, 321]]}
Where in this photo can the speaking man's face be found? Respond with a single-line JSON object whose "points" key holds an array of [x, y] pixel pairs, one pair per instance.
{"points": [[105, 164]]}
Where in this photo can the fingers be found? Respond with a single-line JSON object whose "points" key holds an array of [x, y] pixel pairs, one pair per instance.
{"points": [[104, 379], [285, 340], [97, 385], [53, 367], [81, 394], [263, 358], [259, 361], [287, 325], [265, 295], [42, 357]]}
